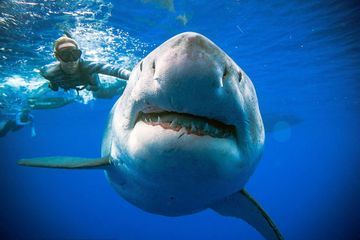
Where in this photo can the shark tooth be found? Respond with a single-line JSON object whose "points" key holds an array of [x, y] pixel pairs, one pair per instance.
{"points": [[173, 123], [193, 128], [206, 128]]}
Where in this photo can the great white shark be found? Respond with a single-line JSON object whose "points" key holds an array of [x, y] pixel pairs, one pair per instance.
{"points": [[185, 135]]}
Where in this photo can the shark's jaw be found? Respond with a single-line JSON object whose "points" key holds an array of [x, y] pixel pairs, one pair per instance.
{"points": [[182, 161], [166, 134]]}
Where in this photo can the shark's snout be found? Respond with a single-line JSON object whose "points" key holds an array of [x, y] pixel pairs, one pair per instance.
{"points": [[185, 73], [196, 63], [197, 49], [203, 52], [194, 41]]}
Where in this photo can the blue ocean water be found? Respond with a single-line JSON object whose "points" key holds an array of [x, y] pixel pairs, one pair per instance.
{"points": [[303, 58]]}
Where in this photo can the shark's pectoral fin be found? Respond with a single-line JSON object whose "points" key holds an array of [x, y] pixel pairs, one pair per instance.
{"points": [[243, 206], [66, 162]]}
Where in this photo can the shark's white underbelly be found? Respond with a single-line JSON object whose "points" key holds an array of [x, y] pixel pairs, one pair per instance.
{"points": [[185, 175]]}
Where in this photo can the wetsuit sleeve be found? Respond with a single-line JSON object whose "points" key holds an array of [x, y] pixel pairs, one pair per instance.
{"points": [[47, 72], [94, 83], [43, 72], [107, 69]]}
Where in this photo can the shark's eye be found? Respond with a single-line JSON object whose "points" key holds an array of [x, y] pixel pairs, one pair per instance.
{"points": [[153, 65], [141, 66]]}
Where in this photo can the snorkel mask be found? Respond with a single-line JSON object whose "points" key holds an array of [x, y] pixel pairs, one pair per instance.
{"points": [[68, 54]]}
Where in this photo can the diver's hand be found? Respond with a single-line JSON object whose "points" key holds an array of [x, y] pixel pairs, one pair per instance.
{"points": [[126, 74]]}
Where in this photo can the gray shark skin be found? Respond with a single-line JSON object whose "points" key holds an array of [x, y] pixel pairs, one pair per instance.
{"points": [[187, 74], [185, 135]]}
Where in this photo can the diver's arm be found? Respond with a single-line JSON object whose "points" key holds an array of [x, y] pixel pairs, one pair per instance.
{"points": [[53, 86], [43, 72], [6, 126], [94, 84], [47, 72], [40, 90], [107, 69], [109, 90]]}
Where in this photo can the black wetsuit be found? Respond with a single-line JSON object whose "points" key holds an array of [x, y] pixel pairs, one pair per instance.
{"points": [[21, 119], [85, 76], [8, 125]]}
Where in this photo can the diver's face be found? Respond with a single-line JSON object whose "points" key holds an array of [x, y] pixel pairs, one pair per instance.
{"points": [[69, 57], [69, 67]]}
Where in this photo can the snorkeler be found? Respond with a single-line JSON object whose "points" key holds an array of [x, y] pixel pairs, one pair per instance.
{"points": [[22, 119], [35, 102], [72, 72]]}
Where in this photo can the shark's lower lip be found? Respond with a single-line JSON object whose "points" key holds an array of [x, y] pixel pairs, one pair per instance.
{"points": [[196, 125]]}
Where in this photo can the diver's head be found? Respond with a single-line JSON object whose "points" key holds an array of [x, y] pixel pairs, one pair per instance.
{"points": [[67, 51], [24, 117]]}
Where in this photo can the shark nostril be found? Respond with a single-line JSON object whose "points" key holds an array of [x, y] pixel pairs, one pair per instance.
{"points": [[240, 76], [153, 66], [141, 66], [224, 76], [225, 73]]}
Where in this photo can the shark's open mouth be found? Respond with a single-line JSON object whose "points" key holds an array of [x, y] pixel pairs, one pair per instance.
{"points": [[196, 125]]}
